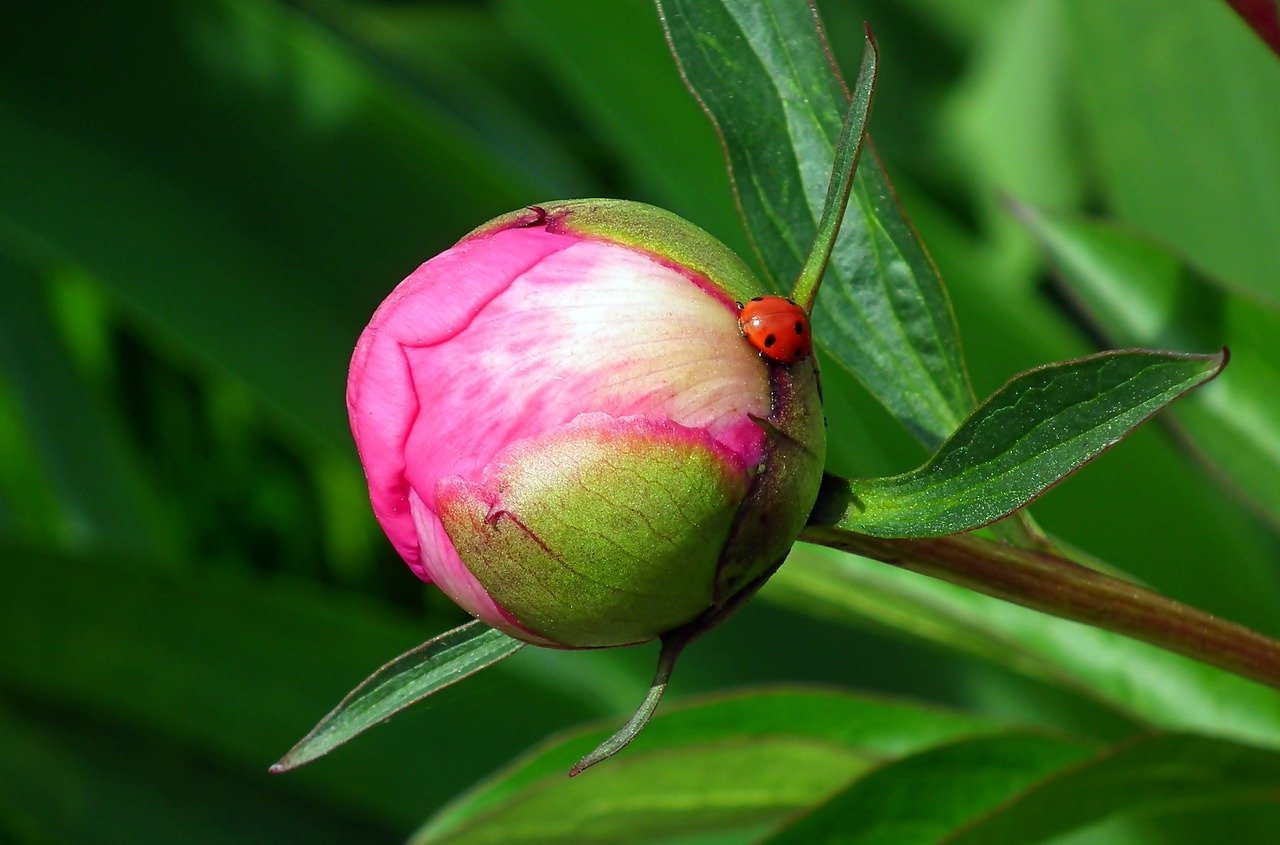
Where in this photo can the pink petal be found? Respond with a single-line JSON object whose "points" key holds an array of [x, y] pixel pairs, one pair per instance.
{"points": [[513, 334]]}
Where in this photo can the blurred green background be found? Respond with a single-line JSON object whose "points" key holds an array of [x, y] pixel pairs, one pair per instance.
{"points": [[201, 203]]}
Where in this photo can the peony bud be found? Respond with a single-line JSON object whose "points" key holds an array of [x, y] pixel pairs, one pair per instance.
{"points": [[564, 429]]}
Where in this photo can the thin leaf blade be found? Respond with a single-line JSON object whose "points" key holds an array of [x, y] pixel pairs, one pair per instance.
{"points": [[762, 73], [1039, 427], [438, 663]]}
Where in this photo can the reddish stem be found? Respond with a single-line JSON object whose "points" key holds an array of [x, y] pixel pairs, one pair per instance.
{"points": [[1063, 588]]}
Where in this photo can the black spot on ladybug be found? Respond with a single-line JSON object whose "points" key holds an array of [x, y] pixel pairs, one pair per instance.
{"points": [[757, 298], [770, 340], [799, 327]]}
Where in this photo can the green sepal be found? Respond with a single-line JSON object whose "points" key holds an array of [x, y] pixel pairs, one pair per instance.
{"points": [[599, 535], [783, 493]]}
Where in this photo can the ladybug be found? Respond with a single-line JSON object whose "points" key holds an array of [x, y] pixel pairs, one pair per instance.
{"points": [[777, 327]]}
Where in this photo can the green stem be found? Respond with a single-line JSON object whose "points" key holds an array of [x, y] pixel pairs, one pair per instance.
{"points": [[848, 150], [1055, 585]]}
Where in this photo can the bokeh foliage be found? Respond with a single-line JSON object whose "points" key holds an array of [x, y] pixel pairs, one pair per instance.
{"points": [[202, 202]]}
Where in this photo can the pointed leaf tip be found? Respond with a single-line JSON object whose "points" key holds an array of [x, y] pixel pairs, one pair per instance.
{"points": [[1037, 429], [436, 664]]}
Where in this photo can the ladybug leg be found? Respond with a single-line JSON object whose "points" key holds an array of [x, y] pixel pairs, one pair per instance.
{"points": [[540, 216]]}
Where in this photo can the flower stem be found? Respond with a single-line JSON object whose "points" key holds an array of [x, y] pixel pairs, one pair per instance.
{"points": [[1055, 585], [848, 150]]}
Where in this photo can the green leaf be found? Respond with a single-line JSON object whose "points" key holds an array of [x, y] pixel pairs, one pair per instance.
{"points": [[473, 73], [927, 797], [1139, 680], [77, 441], [246, 186], [1135, 291], [1149, 774], [617, 68], [1181, 108], [761, 71], [1020, 790], [438, 663], [732, 764], [1028, 435], [236, 669], [91, 781]]}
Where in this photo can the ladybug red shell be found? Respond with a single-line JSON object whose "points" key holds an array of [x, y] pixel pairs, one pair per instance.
{"points": [[777, 327]]}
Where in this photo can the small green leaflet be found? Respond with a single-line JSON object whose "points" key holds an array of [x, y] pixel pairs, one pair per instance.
{"points": [[1038, 428], [438, 663]]}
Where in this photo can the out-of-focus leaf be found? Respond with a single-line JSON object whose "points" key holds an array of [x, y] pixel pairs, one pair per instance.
{"points": [[619, 71], [79, 442], [68, 778], [725, 765], [1146, 683], [1021, 790], [470, 71], [1132, 290], [438, 663], [1038, 428], [1182, 110], [247, 187], [927, 797], [1252, 818], [1150, 774], [237, 669], [1008, 127], [762, 72]]}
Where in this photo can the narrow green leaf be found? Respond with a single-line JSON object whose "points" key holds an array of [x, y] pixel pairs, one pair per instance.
{"points": [[1035, 430], [925, 798], [1150, 774], [730, 764], [1132, 290], [762, 72], [438, 663], [1139, 680], [78, 441]]}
